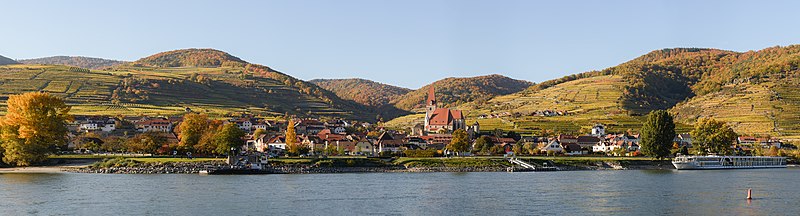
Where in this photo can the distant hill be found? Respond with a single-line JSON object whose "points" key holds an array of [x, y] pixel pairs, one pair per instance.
{"points": [[455, 91], [366, 92], [75, 61], [756, 92], [208, 81], [190, 58], [7, 61]]}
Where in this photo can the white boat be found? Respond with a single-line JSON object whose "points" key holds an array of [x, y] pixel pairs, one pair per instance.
{"points": [[727, 162]]}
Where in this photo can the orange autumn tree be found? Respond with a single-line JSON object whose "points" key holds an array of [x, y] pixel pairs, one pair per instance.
{"points": [[34, 126], [293, 146]]}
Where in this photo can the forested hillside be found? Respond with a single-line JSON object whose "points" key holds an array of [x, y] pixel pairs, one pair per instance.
{"points": [[191, 58], [455, 91], [75, 61], [366, 92]]}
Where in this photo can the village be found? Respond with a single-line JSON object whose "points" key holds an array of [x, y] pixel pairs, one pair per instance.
{"points": [[340, 137]]}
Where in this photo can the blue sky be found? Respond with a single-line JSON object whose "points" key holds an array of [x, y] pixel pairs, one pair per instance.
{"points": [[405, 43]]}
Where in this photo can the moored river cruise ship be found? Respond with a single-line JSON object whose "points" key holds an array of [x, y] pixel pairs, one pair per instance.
{"points": [[727, 162]]}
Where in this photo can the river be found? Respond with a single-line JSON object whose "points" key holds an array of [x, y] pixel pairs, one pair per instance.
{"points": [[624, 192]]}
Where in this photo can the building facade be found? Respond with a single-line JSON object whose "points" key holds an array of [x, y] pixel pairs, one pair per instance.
{"points": [[438, 120]]}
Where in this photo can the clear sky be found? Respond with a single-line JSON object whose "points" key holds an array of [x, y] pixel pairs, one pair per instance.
{"points": [[405, 43]]}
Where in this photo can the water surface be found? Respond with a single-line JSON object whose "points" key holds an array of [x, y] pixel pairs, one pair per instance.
{"points": [[631, 192]]}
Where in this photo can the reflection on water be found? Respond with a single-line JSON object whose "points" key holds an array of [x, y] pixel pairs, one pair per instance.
{"points": [[643, 192]]}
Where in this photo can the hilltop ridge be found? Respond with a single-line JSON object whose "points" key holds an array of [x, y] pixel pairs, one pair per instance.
{"points": [[454, 91], [75, 61], [366, 92], [7, 61], [192, 57]]}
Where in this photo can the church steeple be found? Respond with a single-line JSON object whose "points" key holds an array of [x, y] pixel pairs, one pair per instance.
{"points": [[431, 97], [430, 106]]}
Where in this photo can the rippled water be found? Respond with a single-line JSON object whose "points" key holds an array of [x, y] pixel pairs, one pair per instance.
{"points": [[634, 192]]}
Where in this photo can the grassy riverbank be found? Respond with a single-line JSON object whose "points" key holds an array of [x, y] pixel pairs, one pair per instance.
{"points": [[364, 164]]}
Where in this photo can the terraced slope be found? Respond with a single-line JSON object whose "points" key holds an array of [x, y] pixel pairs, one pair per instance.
{"points": [[756, 92], [134, 89], [768, 108], [582, 103]]}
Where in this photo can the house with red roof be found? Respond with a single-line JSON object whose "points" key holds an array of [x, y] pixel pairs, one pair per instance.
{"points": [[159, 125], [438, 120]]}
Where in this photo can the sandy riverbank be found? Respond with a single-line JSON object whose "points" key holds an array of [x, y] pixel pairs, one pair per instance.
{"points": [[56, 166]]}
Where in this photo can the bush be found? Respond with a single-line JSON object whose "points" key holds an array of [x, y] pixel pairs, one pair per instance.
{"points": [[386, 154], [355, 162], [115, 162], [324, 163], [421, 153]]}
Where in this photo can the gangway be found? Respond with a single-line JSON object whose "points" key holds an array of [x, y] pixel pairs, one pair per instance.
{"points": [[521, 163]]}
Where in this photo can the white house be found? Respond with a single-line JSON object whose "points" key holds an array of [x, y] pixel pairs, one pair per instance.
{"points": [[365, 147], [245, 124], [258, 143], [553, 145], [94, 124], [159, 125], [88, 126], [598, 130], [610, 146], [260, 125]]}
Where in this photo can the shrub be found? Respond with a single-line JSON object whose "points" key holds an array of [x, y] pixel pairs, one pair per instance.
{"points": [[115, 162], [421, 153]]}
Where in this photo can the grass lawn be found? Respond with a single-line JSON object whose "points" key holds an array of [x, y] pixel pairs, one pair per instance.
{"points": [[146, 159], [163, 160], [80, 156]]}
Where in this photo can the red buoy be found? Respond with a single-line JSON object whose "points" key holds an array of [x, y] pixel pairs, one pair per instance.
{"points": [[749, 193]]}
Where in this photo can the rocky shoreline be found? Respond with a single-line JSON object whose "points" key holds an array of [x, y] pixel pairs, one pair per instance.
{"points": [[196, 167], [616, 165]]}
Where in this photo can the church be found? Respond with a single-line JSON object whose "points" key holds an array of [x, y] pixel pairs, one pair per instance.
{"points": [[441, 120]]}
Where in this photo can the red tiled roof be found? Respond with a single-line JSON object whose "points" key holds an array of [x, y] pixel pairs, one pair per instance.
{"points": [[456, 114], [154, 122], [585, 139], [444, 116], [440, 116], [332, 137]]}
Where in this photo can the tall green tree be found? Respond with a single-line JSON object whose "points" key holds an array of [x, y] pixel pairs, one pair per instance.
{"points": [[34, 126], [658, 132], [206, 143], [483, 144], [259, 132], [713, 136], [147, 142], [460, 141], [113, 144], [227, 138]]}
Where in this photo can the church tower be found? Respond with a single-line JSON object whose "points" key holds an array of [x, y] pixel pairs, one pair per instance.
{"points": [[430, 106]]}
